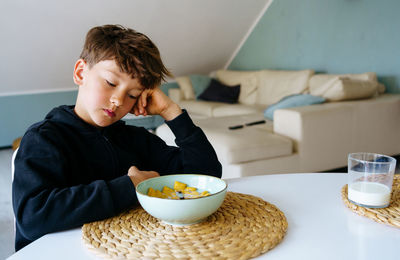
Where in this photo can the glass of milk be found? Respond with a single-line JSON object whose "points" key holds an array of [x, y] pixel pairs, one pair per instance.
{"points": [[370, 179]]}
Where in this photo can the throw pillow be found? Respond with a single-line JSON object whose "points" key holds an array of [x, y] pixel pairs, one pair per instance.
{"points": [[167, 86], [319, 80], [296, 100], [344, 88], [350, 89], [199, 84], [186, 86], [248, 81], [219, 92]]}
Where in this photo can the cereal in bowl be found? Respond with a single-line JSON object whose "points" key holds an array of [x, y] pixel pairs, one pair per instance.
{"points": [[180, 191]]}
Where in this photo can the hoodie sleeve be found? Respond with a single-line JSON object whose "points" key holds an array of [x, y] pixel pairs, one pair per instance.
{"points": [[194, 153], [44, 200]]}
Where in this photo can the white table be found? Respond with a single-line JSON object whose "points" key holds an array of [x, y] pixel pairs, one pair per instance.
{"points": [[320, 225]]}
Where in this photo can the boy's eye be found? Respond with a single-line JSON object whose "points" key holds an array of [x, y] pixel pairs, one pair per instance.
{"points": [[110, 84], [132, 97]]}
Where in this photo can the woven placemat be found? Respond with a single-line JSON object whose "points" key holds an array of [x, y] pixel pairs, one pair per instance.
{"points": [[389, 215], [243, 227]]}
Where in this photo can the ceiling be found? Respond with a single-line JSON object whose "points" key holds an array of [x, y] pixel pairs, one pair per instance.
{"points": [[41, 40]]}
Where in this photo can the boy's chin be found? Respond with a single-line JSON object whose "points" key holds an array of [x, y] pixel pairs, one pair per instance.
{"points": [[103, 123]]}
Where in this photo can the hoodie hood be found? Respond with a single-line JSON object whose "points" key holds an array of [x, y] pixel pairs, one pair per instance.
{"points": [[66, 116]]}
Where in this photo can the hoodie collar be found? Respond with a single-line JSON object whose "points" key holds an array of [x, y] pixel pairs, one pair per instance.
{"points": [[66, 115]]}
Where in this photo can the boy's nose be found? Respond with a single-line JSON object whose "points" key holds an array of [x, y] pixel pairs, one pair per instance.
{"points": [[117, 100]]}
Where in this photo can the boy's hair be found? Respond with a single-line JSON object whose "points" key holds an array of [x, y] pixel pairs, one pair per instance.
{"points": [[133, 52]]}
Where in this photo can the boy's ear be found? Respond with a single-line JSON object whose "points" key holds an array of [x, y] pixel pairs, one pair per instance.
{"points": [[79, 68]]}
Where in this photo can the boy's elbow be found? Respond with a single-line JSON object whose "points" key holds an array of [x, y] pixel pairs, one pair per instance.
{"points": [[32, 219], [32, 226], [217, 170]]}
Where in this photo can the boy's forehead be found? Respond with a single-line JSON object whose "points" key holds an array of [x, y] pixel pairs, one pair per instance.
{"points": [[112, 67]]}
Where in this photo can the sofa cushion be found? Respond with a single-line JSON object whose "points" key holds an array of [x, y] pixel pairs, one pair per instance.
{"points": [[220, 92], [248, 81], [175, 94], [236, 109], [318, 80], [276, 84], [343, 88], [296, 100], [247, 144], [218, 109], [186, 86], [199, 83], [165, 87], [199, 107]]}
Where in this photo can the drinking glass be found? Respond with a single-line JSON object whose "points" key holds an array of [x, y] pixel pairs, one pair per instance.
{"points": [[370, 179]]}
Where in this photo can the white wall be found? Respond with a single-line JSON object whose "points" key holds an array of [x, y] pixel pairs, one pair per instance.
{"points": [[40, 40]]}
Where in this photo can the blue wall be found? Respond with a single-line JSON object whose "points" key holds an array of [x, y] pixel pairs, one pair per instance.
{"points": [[330, 36], [18, 112]]}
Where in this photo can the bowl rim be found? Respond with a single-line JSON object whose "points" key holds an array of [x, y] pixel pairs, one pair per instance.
{"points": [[224, 189]]}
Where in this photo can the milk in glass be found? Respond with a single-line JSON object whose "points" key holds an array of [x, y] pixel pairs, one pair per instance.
{"points": [[370, 179], [369, 193]]}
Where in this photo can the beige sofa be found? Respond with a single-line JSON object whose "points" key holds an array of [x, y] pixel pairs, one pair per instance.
{"points": [[257, 91], [301, 139]]}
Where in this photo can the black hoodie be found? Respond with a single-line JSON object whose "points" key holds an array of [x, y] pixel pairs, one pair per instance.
{"points": [[68, 172]]}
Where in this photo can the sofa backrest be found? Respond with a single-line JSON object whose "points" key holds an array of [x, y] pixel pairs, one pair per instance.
{"points": [[265, 87], [273, 85]]}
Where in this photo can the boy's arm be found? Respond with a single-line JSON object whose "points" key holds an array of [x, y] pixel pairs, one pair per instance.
{"points": [[155, 102], [44, 198], [194, 153]]}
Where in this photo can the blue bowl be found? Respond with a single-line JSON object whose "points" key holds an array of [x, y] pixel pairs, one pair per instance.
{"points": [[185, 211]]}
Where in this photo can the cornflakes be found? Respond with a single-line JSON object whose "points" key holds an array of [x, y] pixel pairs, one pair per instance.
{"points": [[180, 191]]}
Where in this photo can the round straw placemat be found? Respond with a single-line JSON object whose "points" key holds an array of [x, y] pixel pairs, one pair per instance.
{"points": [[243, 227], [389, 215]]}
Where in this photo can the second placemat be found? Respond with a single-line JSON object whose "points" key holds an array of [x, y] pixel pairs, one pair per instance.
{"points": [[244, 226], [389, 215]]}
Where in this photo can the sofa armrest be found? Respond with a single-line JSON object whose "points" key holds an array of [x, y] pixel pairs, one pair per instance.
{"points": [[176, 94], [322, 134]]}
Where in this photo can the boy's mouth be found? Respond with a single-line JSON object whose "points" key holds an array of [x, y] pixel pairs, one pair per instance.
{"points": [[109, 112]]}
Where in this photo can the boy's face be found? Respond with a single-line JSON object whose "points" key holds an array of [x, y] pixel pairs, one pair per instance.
{"points": [[105, 93]]}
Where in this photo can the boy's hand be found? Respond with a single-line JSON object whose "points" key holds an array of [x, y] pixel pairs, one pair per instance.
{"points": [[155, 102], [138, 176]]}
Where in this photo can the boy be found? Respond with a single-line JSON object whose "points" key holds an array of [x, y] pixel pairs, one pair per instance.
{"points": [[81, 163]]}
